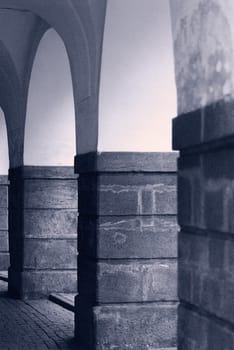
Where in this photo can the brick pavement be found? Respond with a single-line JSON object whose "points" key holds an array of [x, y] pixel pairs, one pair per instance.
{"points": [[35, 325]]}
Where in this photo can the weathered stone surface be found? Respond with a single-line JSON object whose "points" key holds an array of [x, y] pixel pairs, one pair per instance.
{"points": [[199, 331], [132, 326], [4, 241], [137, 281], [127, 254], [129, 281], [189, 126], [128, 237], [3, 219], [41, 283], [50, 254], [3, 196], [166, 200], [126, 162], [48, 194], [48, 172], [50, 222], [4, 261], [43, 231], [4, 180], [154, 199]]}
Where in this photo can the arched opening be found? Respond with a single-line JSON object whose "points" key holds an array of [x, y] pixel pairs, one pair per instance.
{"points": [[50, 120], [50, 214], [4, 239], [138, 93]]}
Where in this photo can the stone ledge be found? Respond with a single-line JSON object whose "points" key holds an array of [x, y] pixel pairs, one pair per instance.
{"points": [[110, 162], [211, 126], [4, 180], [43, 172]]}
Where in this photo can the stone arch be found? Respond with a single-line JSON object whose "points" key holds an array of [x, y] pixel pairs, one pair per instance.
{"points": [[4, 166], [84, 52], [10, 102], [4, 153], [50, 117]]}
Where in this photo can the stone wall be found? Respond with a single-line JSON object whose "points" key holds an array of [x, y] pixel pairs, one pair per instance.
{"points": [[4, 244], [127, 251], [43, 231], [206, 239]]}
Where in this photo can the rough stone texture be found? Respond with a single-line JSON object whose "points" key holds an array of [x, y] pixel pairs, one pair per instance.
{"points": [[43, 231], [203, 33], [127, 252], [128, 237], [205, 213], [4, 241], [122, 326]]}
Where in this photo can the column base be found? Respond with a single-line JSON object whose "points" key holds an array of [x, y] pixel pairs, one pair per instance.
{"points": [[39, 284], [126, 326]]}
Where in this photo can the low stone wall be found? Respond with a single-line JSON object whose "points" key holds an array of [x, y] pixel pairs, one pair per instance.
{"points": [[127, 251], [43, 231], [4, 242]]}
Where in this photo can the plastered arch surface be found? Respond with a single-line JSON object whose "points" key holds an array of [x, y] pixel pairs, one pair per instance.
{"points": [[4, 154], [81, 29], [11, 103]]}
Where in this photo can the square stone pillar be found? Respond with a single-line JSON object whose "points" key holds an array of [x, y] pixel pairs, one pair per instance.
{"points": [[127, 244], [43, 231], [4, 241], [205, 138]]}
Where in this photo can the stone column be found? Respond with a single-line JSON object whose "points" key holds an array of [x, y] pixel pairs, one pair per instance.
{"points": [[4, 244], [43, 231], [127, 251], [204, 133]]}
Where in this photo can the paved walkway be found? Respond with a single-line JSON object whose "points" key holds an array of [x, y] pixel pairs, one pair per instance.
{"points": [[34, 325]]}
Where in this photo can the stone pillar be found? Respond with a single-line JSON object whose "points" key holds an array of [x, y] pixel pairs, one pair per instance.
{"points": [[4, 244], [42, 231], [204, 133], [127, 251]]}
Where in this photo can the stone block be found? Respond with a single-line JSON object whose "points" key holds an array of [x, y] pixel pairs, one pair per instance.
{"points": [[187, 130], [226, 308], [211, 294], [110, 162], [216, 253], [225, 160], [147, 202], [192, 329], [139, 180], [118, 201], [3, 196], [128, 237], [48, 194], [50, 223], [185, 282], [214, 209], [39, 284], [134, 281], [3, 219], [4, 261], [131, 326], [194, 250], [184, 201], [4, 241], [218, 120], [50, 254], [166, 200]]}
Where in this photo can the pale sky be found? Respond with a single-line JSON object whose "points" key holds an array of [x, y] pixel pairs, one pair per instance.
{"points": [[137, 92]]}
